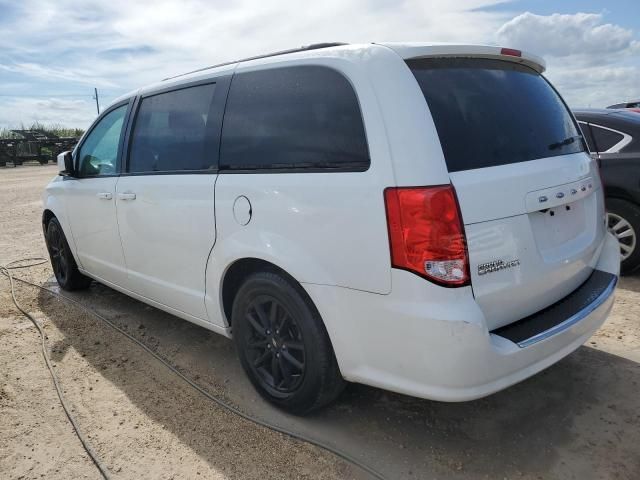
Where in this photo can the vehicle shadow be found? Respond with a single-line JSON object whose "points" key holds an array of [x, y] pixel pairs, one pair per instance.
{"points": [[578, 418], [630, 282]]}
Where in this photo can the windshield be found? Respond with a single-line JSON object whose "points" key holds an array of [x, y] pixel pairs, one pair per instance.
{"points": [[494, 112]]}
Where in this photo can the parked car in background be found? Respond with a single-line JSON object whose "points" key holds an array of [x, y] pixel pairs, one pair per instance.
{"points": [[380, 213], [629, 104], [613, 137], [633, 105]]}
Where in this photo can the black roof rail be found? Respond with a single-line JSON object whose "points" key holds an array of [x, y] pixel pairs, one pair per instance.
{"points": [[304, 48]]}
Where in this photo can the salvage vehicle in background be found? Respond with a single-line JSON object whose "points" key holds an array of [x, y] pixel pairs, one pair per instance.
{"points": [[613, 137], [33, 145], [379, 213]]}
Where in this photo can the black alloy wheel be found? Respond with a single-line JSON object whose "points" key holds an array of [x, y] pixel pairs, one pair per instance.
{"points": [[59, 260], [275, 348], [283, 345], [64, 265]]}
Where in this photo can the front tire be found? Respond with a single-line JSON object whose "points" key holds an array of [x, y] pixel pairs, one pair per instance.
{"points": [[64, 265], [283, 345], [623, 220]]}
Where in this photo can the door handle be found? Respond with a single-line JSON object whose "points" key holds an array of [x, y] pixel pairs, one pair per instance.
{"points": [[127, 196], [105, 195]]}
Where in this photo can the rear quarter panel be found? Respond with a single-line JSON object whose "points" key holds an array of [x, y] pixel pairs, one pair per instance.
{"points": [[321, 228], [621, 176]]}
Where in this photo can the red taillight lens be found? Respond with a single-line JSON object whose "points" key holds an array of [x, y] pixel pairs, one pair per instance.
{"points": [[426, 233], [512, 52]]}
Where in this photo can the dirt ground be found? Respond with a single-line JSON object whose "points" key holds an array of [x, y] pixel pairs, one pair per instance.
{"points": [[578, 419], [185, 436]]}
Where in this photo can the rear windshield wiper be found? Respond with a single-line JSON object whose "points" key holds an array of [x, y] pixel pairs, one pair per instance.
{"points": [[563, 143]]}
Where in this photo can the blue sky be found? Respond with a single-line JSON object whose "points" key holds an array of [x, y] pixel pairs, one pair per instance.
{"points": [[52, 54], [620, 12]]}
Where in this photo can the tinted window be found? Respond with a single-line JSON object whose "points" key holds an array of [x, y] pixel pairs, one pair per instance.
{"points": [[586, 133], [171, 132], [492, 112], [99, 152], [605, 139], [293, 117]]}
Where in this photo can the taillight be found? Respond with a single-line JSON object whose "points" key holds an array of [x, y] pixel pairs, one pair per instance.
{"points": [[426, 234], [512, 52]]}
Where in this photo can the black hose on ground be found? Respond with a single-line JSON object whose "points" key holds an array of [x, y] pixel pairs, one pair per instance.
{"points": [[6, 270]]}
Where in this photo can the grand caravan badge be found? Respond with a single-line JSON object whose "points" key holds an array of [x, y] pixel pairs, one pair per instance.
{"points": [[496, 266]]}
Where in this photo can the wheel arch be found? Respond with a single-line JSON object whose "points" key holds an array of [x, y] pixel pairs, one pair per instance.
{"points": [[629, 212], [241, 269], [620, 194], [54, 209], [47, 215]]}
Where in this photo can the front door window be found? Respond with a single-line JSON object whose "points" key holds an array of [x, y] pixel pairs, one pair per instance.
{"points": [[99, 152]]}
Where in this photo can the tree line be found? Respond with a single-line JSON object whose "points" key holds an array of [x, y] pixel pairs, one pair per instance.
{"points": [[55, 129]]}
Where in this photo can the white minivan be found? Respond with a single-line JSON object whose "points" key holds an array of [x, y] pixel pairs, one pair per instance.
{"points": [[420, 218]]}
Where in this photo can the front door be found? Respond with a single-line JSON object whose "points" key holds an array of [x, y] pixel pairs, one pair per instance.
{"points": [[90, 199]]}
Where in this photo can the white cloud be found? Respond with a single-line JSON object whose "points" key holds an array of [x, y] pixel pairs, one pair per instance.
{"points": [[120, 45], [70, 46], [54, 73], [15, 112], [563, 35], [592, 63], [595, 86]]}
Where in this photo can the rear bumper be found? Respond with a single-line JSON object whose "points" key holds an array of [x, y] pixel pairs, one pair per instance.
{"points": [[560, 316], [440, 348]]}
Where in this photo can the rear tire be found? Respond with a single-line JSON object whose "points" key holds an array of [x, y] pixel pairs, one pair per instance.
{"points": [[62, 261], [283, 345], [623, 220]]}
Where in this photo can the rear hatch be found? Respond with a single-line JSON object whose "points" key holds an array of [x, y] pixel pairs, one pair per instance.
{"points": [[530, 197]]}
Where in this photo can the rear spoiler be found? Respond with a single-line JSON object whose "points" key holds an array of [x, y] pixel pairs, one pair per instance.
{"points": [[416, 50]]}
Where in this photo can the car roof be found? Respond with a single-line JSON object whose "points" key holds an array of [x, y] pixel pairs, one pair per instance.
{"points": [[406, 50], [595, 111], [622, 114], [623, 104]]}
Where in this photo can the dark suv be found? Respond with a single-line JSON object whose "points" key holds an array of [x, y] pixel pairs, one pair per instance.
{"points": [[613, 136]]}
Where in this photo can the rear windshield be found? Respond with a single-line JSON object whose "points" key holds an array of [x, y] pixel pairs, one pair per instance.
{"points": [[494, 112]]}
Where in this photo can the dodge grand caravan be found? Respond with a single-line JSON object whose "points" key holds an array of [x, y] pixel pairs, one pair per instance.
{"points": [[420, 218]]}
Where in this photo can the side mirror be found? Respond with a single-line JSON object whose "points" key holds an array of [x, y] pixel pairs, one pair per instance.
{"points": [[65, 164]]}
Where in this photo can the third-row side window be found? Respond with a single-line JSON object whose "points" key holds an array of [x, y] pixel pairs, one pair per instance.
{"points": [[293, 118], [604, 138]]}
